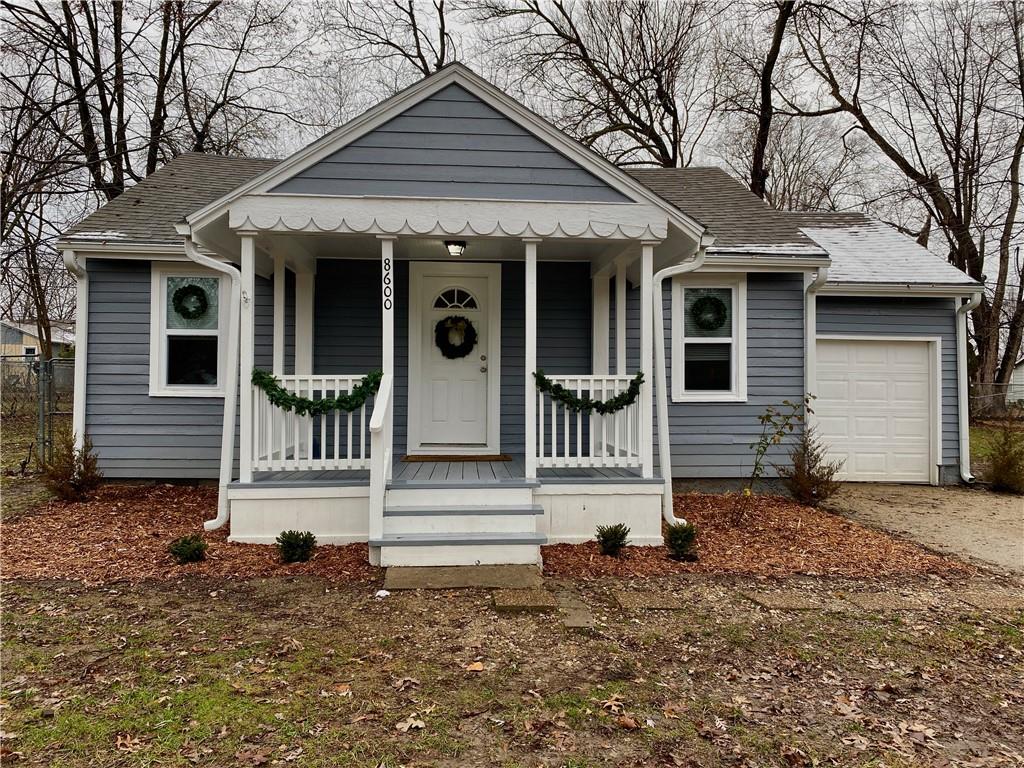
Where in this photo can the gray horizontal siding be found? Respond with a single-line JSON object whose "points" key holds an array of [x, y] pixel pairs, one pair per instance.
{"points": [[713, 439], [451, 145], [135, 435], [347, 332], [904, 317]]}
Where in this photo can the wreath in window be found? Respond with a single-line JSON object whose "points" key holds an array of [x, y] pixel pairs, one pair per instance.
{"points": [[190, 301], [455, 336], [709, 313]]}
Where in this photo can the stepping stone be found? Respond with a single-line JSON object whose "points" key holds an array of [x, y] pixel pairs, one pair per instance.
{"points": [[463, 577], [523, 600], [888, 601], [577, 618], [648, 601], [993, 599], [788, 600]]}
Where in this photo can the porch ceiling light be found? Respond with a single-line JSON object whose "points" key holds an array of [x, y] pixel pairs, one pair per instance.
{"points": [[455, 247]]}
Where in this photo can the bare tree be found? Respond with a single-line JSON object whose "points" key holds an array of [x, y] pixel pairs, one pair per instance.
{"points": [[633, 80], [97, 96], [939, 90], [399, 40]]}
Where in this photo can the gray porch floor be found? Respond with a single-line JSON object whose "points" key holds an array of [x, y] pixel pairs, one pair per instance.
{"points": [[445, 472]]}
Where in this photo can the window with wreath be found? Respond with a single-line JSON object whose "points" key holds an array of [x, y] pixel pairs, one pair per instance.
{"points": [[187, 338], [709, 340]]}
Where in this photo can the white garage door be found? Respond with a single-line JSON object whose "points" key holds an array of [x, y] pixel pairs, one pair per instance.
{"points": [[874, 408]]}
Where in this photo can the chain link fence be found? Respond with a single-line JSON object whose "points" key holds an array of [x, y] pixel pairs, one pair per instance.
{"points": [[36, 398]]}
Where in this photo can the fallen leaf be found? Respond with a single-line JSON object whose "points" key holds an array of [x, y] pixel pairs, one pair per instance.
{"points": [[476, 666], [405, 683], [412, 722], [628, 723]]}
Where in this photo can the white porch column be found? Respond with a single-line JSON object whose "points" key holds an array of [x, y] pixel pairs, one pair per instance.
{"points": [[304, 287], [620, 316], [531, 358], [600, 321], [246, 355], [387, 287], [279, 281], [647, 358]]}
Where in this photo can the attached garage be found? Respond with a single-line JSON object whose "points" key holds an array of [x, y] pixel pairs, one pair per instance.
{"points": [[878, 406]]}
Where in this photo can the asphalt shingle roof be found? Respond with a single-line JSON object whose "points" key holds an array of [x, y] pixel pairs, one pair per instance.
{"points": [[147, 212], [734, 215], [864, 250]]}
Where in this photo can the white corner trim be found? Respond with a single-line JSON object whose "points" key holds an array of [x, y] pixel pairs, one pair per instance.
{"points": [[159, 272], [934, 385], [737, 282], [492, 271], [76, 265]]}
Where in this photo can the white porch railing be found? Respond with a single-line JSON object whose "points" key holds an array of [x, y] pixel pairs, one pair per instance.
{"points": [[569, 439], [381, 448], [285, 441]]}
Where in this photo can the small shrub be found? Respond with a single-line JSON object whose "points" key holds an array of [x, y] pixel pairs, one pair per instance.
{"points": [[188, 549], [810, 476], [612, 538], [1005, 454], [681, 541], [72, 475], [296, 546]]}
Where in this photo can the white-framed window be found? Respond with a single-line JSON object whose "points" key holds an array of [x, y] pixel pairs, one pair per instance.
{"points": [[187, 332], [709, 338]]}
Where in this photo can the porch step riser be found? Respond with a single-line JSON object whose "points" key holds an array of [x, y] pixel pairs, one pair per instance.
{"points": [[441, 498], [484, 554], [442, 523]]}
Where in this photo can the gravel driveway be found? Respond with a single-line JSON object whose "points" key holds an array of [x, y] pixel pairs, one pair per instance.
{"points": [[975, 523]]}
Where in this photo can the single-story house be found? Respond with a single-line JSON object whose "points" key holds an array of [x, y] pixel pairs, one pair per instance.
{"points": [[21, 339], [449, 330]]}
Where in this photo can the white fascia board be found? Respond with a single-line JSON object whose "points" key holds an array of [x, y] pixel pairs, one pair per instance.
{"points": [[900, 289], [763, 263], [791, 250], [390, 108]]}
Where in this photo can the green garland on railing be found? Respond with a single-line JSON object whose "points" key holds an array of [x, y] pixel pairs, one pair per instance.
{"points": [[303, 406], [560, 394]]}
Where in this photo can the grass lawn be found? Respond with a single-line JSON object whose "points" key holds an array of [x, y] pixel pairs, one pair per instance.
{"points": [[279, 671]]}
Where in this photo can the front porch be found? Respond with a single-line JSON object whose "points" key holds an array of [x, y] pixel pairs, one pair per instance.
{"points": [[547, 471]]}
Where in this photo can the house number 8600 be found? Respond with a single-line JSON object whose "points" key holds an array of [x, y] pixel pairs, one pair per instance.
{"points": [[386, 279]]}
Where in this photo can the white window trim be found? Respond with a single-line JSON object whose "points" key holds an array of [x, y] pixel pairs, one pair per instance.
{"points": [[738, 285], [158, 332]]}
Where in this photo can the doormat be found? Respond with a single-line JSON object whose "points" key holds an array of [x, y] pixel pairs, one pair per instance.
{"points": [[446, 457]]}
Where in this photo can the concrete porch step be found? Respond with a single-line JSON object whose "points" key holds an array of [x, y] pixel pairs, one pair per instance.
{"points": [[484, 548], [472, 509]]}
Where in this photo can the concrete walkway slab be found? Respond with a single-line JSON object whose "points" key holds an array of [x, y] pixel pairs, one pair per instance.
{"points": [[523, 600], [464, 577], [889, 601], [793, 600], [993, 599]]}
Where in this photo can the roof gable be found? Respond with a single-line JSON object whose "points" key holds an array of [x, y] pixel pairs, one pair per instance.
{"points": [[451, 144]]}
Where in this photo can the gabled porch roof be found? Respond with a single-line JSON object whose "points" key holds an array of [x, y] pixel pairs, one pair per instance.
{"points": [[629, 211]]}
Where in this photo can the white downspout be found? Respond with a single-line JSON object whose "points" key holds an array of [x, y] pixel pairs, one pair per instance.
{"points": [[661, 382], [231, 383], [811, 335], [962, 403], [76, 268]]}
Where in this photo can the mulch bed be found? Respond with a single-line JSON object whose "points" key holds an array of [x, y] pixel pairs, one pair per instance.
{"points": [[778, 538], [122, 535]]}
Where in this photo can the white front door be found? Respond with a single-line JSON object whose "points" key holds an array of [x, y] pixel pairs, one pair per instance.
{"points": [[876, 408], [453, 390]]}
